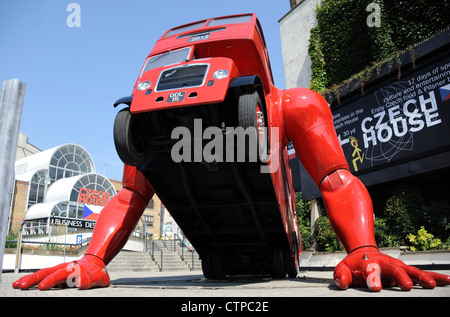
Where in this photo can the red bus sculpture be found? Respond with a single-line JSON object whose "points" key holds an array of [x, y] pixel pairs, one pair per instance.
{"points": [[207, 131]]}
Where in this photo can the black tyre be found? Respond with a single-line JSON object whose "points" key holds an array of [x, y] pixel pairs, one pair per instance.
{"points": [[279, 268], [292, 263], [252, 115], [128, 138], [212, 267]]}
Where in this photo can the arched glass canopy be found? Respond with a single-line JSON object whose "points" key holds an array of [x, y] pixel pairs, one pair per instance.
{"points": [[70, 160]]}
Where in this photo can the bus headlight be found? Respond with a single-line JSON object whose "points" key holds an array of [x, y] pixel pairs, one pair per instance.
{"points": [[144, 85], [221, 74]]}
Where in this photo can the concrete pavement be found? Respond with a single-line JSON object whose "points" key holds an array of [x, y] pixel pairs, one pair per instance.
{"points": [[186, 285]]}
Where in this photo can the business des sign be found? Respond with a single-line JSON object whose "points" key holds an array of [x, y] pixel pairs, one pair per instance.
{"points": [[72, 223], [402, 121]]}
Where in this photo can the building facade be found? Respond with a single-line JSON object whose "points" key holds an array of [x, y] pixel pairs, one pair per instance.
{"points": [[295, 29]]}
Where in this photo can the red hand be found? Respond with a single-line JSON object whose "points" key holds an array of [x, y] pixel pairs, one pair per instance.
{"points": [[369, 267], [88, 272]]}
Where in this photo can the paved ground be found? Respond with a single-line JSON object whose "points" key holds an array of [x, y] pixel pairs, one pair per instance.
{"points": [[187, 285]]}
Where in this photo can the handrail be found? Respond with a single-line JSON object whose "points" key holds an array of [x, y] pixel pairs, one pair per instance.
{"points": [[171, 245], [184, 245], [152, 254]]}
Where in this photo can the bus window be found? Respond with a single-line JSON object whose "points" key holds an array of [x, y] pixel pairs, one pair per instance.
{"points": [[231, 20], [167, 58], [185, 28]]}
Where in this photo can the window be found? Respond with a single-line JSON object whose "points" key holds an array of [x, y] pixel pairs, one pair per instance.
{"points": [[148, 220], [230, 20], [165, 59], [70, 160], [185, 28], [38, 187], [38, 226], [60, 209]]}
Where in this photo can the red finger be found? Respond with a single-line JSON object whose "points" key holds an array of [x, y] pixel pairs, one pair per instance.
{"points": [[30, 280], [441, 279], [420, 277], [54, 279], [342, 276], [27, 281], [399, 272], [402, 279]]}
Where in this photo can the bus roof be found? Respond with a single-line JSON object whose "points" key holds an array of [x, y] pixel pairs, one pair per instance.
{"points": [[214, 29], [213, 37]]}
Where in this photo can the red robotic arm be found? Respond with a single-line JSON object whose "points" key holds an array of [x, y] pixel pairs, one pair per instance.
{"points": [[114, 225], [309, 125]]}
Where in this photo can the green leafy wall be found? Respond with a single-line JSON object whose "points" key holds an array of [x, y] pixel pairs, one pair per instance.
{"points": [[342, 44]]}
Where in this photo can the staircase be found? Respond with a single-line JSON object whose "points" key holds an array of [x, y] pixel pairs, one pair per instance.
{"points": [[129, 261], [172, 257]]}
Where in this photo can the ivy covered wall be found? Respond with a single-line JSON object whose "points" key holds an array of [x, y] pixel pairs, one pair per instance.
{"points": [[346, 41]]}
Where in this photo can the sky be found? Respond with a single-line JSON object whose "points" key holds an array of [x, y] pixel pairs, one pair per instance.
{"points": [[73, 75]]}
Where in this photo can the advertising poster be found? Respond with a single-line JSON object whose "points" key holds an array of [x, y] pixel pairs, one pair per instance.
{"points": [[405, 120]]}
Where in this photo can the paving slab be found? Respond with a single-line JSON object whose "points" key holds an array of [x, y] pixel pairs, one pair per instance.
{"points": [[185, 285]]}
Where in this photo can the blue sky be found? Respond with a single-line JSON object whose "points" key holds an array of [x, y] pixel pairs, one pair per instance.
{"points": [[74, 75]]}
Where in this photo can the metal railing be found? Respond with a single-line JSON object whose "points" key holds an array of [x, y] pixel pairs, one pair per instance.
{"points": [[152, 253], [186, 246], [21, 245], [172, 245], [59, 246]]}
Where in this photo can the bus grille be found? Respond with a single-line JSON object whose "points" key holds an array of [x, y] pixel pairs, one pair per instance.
{"points": [[180, 77]]}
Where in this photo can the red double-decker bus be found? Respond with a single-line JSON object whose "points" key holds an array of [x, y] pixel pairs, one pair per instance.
{"points": [[202, 101]]}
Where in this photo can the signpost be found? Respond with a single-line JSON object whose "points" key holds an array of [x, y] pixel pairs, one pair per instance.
{"points": [[79, 238]]}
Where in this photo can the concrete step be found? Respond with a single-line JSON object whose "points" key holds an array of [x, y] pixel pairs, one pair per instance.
{"points": [[171, 261], [128, 261], [172, 256]]}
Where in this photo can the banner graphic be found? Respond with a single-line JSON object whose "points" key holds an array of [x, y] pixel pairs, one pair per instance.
{"points": [[402, 121]]}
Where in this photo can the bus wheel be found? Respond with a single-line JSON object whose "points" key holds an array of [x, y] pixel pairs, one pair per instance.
{"points": [[279, 263], [212, 267], [128, 138], [292, 263], [252, 115]]}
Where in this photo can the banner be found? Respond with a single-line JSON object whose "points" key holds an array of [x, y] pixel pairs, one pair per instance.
{"points": [[72, 223], [402, 121]]}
